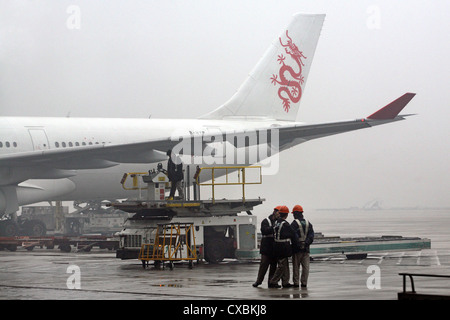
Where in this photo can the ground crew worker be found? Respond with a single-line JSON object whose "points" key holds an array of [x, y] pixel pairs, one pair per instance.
{"points": [[284, 235], [305, 232], [266, 248], [175, 175]]}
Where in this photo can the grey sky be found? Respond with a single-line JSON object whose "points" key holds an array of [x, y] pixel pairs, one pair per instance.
{"points": [[184, 58]]}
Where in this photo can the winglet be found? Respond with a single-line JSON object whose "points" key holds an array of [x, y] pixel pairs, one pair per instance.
{"points": [[392, 109]]}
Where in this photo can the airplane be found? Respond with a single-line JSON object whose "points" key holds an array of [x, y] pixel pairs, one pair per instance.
{"points": [[69, 159]]}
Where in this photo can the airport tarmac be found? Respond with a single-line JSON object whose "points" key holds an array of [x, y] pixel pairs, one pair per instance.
{"points": [[50, 274]]}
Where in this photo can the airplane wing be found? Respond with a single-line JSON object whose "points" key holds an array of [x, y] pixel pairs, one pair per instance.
{"points": [[91, 157], [295, 134], [63, 163]]}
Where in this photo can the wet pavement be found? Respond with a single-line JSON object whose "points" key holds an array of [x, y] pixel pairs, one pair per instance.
{"points": [[50, 274]]}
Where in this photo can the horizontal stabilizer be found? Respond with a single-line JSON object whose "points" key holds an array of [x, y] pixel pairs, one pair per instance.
{"points": [[392, 109]]}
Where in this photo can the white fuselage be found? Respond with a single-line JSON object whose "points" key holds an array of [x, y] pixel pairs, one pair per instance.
{"points": [[25, 134]]}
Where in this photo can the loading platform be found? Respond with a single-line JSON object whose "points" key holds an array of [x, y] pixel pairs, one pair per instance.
{"points": [[359, 246], [219, 207], [155, 203]]}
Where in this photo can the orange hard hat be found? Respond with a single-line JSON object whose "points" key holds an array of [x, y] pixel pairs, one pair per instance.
{"points": [[284, 209], [297, 208], [277, 208]]}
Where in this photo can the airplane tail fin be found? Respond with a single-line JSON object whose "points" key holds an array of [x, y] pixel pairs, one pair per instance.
{"points": [[274, 88]]}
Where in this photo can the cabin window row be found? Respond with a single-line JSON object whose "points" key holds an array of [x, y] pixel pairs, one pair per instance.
{"points": [[74, 144], [8, 144]]}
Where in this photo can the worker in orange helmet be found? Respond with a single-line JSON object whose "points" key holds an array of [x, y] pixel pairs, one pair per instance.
{"points": [[301, 254], [266, 247], [284, 235]]}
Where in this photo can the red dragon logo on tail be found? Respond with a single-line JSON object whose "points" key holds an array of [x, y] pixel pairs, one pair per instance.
{"points": [[290, 90]]}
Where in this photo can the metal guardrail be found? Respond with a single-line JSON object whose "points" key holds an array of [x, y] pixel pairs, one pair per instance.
{"points": [[240, 172], [413, 290], [242, 179], [136, 181]]}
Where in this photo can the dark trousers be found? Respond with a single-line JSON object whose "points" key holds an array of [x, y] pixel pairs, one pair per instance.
{"points": [[176, 185], [282, 272], [266, 262]]}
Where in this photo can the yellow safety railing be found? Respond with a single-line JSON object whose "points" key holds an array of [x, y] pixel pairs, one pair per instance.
{"points": [[135, 176], [240, 172]]}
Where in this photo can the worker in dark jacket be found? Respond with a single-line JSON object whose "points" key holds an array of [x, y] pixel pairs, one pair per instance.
{"points": [[175, 175], [284, 236], [305, 232], [266, 247]]}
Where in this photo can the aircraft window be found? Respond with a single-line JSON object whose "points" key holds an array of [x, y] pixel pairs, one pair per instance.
{"points": [[90, 143], [70, 144], [96, 143], [57, 144], [77, 144], [8, 144], [83, 143], [63, 144]]}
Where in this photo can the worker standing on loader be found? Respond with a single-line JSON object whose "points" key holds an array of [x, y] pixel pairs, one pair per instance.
{"points": [[175, 175], [284, 236], [305, 232], [268, 258]]}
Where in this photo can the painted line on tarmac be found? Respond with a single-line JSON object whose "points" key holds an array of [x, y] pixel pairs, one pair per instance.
{"points": [[122, 292]]}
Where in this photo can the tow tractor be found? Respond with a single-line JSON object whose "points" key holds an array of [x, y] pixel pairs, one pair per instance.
{"points": [[217, 227]]}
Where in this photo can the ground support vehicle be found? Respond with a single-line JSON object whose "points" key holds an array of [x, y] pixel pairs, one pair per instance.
{"points": [[217, 236], [89, 217], [65, 244], [224, 228]]}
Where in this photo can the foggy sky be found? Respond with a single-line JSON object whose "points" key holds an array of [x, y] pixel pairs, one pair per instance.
{"points": [[182, 59]]}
